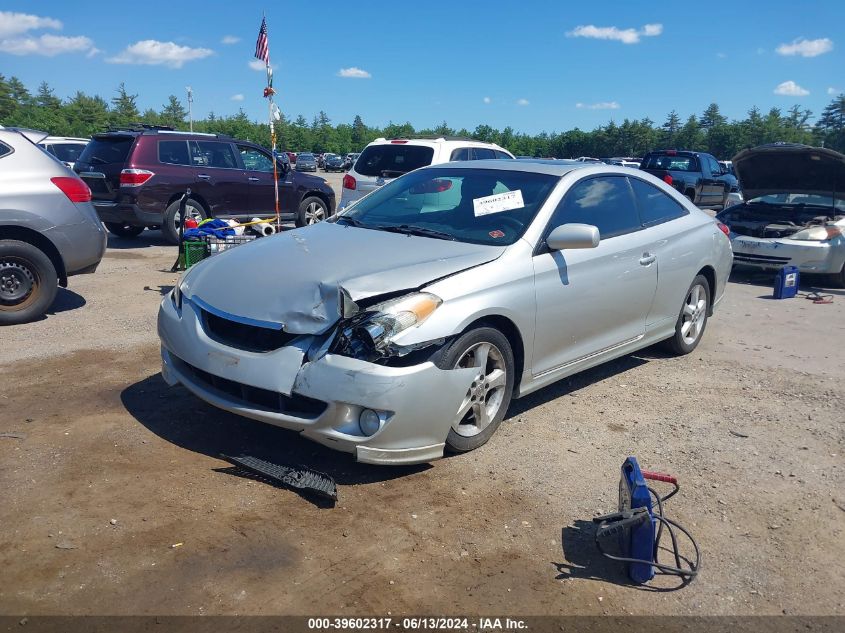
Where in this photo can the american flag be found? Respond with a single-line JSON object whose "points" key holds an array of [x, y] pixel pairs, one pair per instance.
{"points": [[262, 49]]}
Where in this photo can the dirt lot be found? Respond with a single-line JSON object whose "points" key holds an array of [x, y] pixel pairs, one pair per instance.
{"points": [[106, 469]]}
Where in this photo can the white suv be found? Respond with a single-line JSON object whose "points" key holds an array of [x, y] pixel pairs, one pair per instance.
{"points": [[66, 149], [383, 160]]}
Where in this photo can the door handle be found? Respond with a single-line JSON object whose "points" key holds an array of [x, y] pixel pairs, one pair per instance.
{"points": [[203, 176], [253, 179], [647, 259]]}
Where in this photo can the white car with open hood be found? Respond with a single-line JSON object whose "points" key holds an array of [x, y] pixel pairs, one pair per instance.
{"points": [[403, 326], [794, 212]]}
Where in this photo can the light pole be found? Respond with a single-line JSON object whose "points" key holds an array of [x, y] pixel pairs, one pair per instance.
{"points": [[190, 107]]}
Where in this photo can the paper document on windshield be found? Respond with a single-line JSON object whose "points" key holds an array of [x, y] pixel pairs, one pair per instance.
{"points": [[498, 202]]}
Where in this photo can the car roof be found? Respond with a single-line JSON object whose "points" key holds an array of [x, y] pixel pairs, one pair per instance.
{"points": [[550, 167], [433, 140], [65, 139]]}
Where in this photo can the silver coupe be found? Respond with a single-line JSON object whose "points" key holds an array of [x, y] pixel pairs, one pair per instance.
{"points": [[404, 326]]}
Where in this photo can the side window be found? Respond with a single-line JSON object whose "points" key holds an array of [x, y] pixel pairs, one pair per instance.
{"points": [[255, 160], [213, 154], [501, 155], [655, 206], [482, 153], [714, 166], [5, 149], [604, 201], [173, 152], [460, 154]]}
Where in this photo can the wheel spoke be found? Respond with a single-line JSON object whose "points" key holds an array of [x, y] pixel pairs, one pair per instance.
{"points": [[495, 379], [685, 328], [462, 411], [481, 354], [689, 309], [479, 411]]}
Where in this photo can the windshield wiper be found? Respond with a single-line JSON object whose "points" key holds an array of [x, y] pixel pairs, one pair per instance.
{"points": [[353, 221], [409, 229]]}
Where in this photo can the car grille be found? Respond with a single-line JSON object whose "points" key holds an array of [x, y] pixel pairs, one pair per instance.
{"points": [[294, 405], [760, 259], [249, 338]]}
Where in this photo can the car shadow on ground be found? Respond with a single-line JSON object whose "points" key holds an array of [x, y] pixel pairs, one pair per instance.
{"points": [[65, 301], [177, 416], [145, 240], [583, 379], [808, 283]]}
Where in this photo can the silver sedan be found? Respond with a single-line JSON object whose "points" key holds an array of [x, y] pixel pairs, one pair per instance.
{"points": [[404, 326]]}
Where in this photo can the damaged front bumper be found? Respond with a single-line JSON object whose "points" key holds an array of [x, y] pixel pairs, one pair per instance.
{"points": [[322, 398], [773, 253]]}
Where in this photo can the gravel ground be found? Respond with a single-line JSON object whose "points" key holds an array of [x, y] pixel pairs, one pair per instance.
{"points": [[115, 500]]}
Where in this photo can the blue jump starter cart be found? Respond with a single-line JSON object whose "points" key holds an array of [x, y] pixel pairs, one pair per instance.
{"points": [[786, 282]]}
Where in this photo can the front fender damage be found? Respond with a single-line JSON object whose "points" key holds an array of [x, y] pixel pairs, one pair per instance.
{"points": [[421, 401]]}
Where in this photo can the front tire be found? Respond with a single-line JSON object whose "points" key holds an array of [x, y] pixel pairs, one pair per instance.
{"points": [[692, 320], [170, 228], [124, 230], [28, 282], [487, 400], [311, 210]]}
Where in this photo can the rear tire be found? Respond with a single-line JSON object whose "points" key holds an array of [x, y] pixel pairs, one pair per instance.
{"points": [[28, 282], [839, 278], [692, 320], [123, 230], [487, 400], [170, 228]]}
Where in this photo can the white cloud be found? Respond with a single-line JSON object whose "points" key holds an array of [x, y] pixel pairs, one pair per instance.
{"points": [[834, 91], [257, 64], [487, 100], [237, 97], [791, 89], [626, 36], [17, 23], [806, 48], [48, 45], [353, 73], [230, 39], [522, 102], [155, 53], [601, 105]]}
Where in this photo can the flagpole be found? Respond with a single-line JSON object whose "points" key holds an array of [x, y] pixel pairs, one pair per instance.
{"points": [[272, 130]]}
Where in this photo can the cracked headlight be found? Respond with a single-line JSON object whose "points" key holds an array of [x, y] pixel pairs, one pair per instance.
{"points": [[383, 322]]}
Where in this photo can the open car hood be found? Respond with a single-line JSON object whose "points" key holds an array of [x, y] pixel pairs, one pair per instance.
{"points": [[296, 279], [790, 168]]}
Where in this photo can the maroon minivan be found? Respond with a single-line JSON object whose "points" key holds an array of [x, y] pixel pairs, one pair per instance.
{"points": [[137, 176]]}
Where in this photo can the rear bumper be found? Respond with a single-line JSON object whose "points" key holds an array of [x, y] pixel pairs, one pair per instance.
{"points": [[770, 254], [126, 214], [82, 246]]}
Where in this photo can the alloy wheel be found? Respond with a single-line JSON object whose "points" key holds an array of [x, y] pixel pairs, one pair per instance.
{"points": [[485, 396], [314, 213], [694, 314]]}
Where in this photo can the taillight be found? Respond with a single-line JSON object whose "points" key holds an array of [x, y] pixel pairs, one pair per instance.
{"points": [[398, 142], [668, 179], [73, 188], [349, 182], [724, 228], [134, 177]]}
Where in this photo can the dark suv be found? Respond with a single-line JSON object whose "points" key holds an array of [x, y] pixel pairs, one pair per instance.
{"points": [[137, 175]]}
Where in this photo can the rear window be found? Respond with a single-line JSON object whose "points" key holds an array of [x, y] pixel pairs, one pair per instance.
{"points": [[67, 152], [670, 162], [390, 161], [107, 150], [5, 149]]}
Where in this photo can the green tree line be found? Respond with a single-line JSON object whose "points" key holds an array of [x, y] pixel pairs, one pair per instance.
{"points": [[83, 115]]}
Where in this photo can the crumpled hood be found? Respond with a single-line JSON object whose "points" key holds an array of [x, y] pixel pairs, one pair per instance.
{"points": [[295, 278], [790, 168]]}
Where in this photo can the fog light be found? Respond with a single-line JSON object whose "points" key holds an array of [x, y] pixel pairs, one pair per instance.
{"points": [[369, 421]]}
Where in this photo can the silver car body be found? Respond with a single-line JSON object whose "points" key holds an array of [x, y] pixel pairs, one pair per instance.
{"points": [[565, 310], [32, 207]]}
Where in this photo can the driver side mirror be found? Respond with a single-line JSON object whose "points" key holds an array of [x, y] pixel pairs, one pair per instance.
{"points": [[284, 163], [571, 236]]}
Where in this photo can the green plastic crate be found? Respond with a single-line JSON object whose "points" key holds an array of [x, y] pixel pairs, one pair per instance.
{"points": [[195, 252]]}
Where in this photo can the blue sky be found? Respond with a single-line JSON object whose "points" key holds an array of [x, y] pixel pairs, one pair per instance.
{"points": [[534, 65]]}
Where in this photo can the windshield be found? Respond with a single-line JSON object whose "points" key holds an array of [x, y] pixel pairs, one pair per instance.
{"points": [[480, 206], [390, 161], [306, 156], [799, 199]]}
